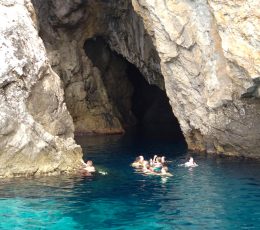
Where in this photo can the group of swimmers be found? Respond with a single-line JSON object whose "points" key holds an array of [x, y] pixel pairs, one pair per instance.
{"points": [[158, 165], [155, 166]]}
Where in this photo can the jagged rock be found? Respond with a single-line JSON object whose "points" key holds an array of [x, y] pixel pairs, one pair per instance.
{"points": [[36, 130], [205, 54], [114, 21], [212, 65]]}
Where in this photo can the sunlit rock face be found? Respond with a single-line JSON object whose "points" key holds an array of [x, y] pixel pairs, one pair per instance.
{"points": [[209, 57], [36, 130], [204, 54]]}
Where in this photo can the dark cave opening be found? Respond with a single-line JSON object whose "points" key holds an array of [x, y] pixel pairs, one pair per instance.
{"points": [[137, 103], [151, 106]]}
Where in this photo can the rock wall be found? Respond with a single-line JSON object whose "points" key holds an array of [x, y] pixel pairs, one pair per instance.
{"points": [[114, 75], [36, 130], [204, 54], [209, 53], [65, 30]]}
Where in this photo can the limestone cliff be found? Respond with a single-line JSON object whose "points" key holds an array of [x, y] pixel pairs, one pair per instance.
{"points": [[204, 54], [36, 130], [65, 27], [209, 53]]}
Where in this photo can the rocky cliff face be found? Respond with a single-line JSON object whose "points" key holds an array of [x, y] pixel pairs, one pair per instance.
{"points": [[36, 130], [65, 27], [209, 53], [203, 54]]}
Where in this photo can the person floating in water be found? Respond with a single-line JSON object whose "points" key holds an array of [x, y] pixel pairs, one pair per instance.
{"points": [[138, 163], [190, 163], [146, 167], [155, 166], [88, 167], [165, 171]]}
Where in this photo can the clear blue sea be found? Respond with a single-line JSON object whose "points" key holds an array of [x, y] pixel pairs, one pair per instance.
{"points": [[221, 193]]}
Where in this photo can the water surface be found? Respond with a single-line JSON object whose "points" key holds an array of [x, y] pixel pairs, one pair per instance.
{"points": [[221, 193]]}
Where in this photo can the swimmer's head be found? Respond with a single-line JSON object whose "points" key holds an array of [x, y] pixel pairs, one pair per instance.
{"points": [[159, 159], [89, 163], [191, 159], [141, 158]]}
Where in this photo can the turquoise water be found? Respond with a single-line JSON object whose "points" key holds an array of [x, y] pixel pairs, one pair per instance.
{"points": [[221, 193]]}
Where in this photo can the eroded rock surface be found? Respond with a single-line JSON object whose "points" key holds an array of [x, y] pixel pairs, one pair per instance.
{"points": [[204, 54], [209, 53], [87, 91], [36, 130]]}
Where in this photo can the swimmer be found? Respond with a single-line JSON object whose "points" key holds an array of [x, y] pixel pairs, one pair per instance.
{"points": [[165, 171], [141, 159], [154, 158], [157, 166], [138, 163], [190, 163], [89, 167], [146, 167]]}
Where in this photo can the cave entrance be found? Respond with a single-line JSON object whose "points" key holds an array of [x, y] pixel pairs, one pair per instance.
{"points": [[135, 102], [151, 106]]}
